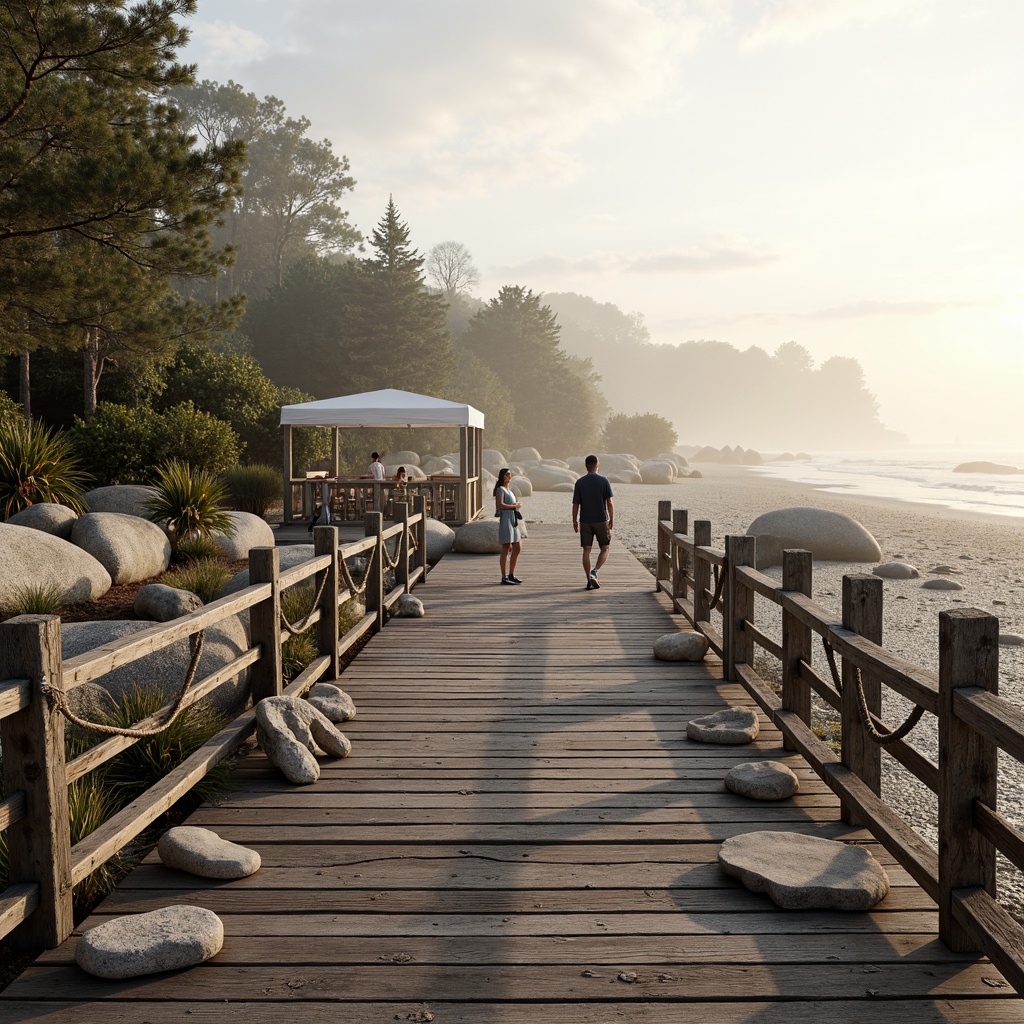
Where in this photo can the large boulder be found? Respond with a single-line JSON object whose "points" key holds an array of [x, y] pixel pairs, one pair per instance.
{"points": [[525, 455], [479, 537], [127, 499], [625, 476], [31, 558], [440, 539], [161, 603], [521, 486], [493, 459], [290, 732], [128, 547], [47, 517], [986, 467], [247, 531], [655, 472], [406, 459], [166, 667], [676, 459], [829, 536], [437, 467], [545, 478]]}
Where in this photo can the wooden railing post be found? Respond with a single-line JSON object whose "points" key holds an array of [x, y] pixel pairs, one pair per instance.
{"points": [[265, 624], [661, 564], [701, 571], [375, 573], [679, 557], [797, 572], [968, 657], [862, 612], [739, 606], [402, 569], [419, 507], [325, 542], [39, 843]]}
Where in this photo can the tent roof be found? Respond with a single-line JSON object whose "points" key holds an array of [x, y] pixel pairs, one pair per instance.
{"points": [[387, 408]]}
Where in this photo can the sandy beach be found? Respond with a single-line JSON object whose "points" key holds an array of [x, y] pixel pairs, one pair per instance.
{"points": [[986, 552]]}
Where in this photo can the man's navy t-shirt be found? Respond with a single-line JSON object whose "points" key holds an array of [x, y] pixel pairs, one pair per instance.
{"points": [[590, 494]]}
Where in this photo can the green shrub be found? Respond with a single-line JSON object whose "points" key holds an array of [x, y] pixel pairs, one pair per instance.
{"points": [[10, 411], [298, 651], [195, 549], [643, 435], [189, 500], [254, 489], [124, 446], [205, 577], [35, 599], [37, 464]]}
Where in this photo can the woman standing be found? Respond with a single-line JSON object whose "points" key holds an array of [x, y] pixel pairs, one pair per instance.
{"points": [[506, 507]]}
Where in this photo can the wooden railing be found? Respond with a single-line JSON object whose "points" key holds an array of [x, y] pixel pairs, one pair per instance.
{"points": [[36, 908], [974, 723], [352, 499]]}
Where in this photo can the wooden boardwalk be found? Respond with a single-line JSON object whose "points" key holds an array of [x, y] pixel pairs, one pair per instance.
{"points": [[523, 832]]}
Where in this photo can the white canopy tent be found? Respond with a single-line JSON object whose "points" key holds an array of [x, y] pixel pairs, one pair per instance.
{"points": [[391, 408]]}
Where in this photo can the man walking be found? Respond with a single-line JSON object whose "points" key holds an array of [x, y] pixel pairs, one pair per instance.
{"points": [[593, 515]]}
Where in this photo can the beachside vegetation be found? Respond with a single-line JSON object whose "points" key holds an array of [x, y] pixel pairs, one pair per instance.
{"points": [[254, 489], [298, 651], [204, 577], [37, 463], [36, 599], [643, 435], [189, 501]]}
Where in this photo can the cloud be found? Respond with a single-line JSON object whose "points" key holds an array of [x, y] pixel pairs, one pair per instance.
{"points": [[796, 21], [875, 307], [220, 47], [714, 258]]}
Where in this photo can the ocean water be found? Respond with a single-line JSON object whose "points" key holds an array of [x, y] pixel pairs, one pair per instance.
{"points": [[914, 475]]}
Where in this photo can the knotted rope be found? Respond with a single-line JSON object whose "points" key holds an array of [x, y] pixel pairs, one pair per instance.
{"points": [[716, 598], [882, 736], [298, 629], [58, 699]]}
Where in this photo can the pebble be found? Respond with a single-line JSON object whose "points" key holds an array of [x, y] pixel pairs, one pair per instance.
{"points": [[199, 851], [162, 940], [681, 647], [762, 780]]}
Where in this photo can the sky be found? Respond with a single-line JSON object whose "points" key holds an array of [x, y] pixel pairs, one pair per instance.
{"points": [[845, 174]]}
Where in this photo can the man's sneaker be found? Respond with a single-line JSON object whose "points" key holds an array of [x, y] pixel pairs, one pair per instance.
{"points": [[594, 585], [590, 583], [514, 579], [507, 580]]}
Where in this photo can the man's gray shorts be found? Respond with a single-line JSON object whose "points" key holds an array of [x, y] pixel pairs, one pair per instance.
{"points": [[590, 531]]}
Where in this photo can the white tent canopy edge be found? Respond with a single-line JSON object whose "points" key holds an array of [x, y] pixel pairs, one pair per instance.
{"points": [[387, 408]]}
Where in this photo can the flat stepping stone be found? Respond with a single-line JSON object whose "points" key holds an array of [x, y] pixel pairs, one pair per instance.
{"points": [[762, 780], [730, 726], [332, 702], [681, 647], [162, 940], [202, 852], [803, 872], [941, 583], [291, 731]]}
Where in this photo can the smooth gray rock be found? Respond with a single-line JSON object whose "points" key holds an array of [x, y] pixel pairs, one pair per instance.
{"points": [[730, 726], [128, 547], [896, 571], [525, 455], [161, 603], [943, 569], [128, 499], [47, 517], [681, 647], [290, 731], [827, 535], [332, 702], [762, 780], [479, 537], [288, 557], [165, 668], [657, 472], [31, 558], [162, 940], [546, 477], [676, 459], [521, 486], [202, 852], [803, 872], [408, 606], [1011, 640], [247, 531], [404, 458], [440, 539], [941, 583]]}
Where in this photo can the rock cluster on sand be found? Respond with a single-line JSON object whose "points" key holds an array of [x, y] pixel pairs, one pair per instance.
{"points": [[829, 536], [290, 731], [162, 940], [803, 872], [762, 780], [730, 726], [202, 852], [681, 647]]}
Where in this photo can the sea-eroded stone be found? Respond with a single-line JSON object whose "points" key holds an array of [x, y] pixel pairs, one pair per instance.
{"points": [[332, 702], [896, 571], [681, 647], [199, 851], [762, 780], [290, 731], [730, 726]]}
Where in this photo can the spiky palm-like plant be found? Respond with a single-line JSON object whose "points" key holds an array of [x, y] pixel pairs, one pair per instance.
{"points": [[37, 464], [189, 501]]}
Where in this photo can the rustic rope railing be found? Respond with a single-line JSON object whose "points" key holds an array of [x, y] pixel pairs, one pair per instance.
{"points": [[35, 683], [974, 724]]}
